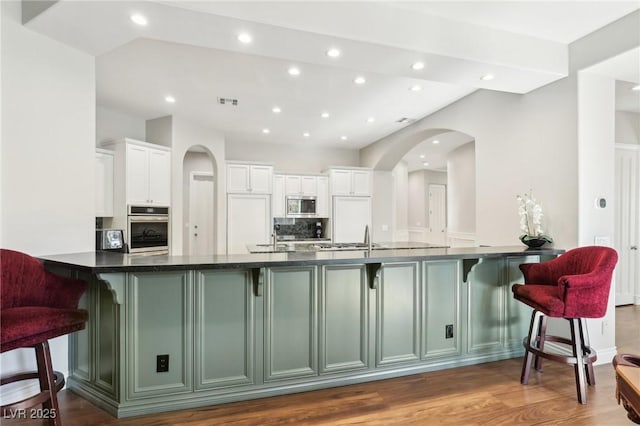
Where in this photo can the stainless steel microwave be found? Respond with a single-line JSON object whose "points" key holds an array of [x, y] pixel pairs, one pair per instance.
{"points": [[301, 206]]}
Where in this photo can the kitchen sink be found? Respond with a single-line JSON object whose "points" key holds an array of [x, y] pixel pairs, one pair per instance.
{"points": [[346, 246]]}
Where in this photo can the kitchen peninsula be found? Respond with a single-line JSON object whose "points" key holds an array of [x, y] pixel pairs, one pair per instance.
{"points": [[173, 332]]}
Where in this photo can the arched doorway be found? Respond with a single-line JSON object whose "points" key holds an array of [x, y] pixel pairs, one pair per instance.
{"points": [[199, 202], [432, 180]]}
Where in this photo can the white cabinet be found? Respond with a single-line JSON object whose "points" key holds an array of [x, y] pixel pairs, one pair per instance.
{"points": [[279, 201], [350, 217], [249, 178], [322, 200], [142, 175], [350, 182], [300, 185], [248, 221], [104, 183], [148, 175]]}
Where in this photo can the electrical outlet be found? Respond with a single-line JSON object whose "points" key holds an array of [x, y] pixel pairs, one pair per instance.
{"points": [[162, 363], [448, 331]]}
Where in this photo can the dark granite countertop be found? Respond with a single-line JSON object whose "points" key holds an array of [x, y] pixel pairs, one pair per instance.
{"points": [[104, 262], [315, 245]]}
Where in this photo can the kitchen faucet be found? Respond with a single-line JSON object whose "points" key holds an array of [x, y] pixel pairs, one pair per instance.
{"points": [[274, 235], [367, 238]]}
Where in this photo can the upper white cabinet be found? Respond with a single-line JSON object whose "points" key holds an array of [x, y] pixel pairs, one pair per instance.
{"points": [[148, 179], [301, 185], [142, 174], [104, 183], [278, 202], [322, 200], [350, 182], [249, 178]]}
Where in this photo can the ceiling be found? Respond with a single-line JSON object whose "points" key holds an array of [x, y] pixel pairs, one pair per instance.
{"points": [[190, 51]]}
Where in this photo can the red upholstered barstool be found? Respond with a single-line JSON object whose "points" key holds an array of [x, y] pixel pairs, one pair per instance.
{"points": [[573, 286], [36, 306]]}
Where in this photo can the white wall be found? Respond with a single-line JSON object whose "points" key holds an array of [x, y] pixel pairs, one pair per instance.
{"points": [[461, 189], [417, 193], [159, 130], [381, 215], [400, 201], [48, 146], [112, 125], [522, 142], [182, 135], [294, 158], [627, 127], [596, 156]]}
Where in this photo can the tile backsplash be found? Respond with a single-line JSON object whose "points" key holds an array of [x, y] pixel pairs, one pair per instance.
{"points": [[300, 228]]}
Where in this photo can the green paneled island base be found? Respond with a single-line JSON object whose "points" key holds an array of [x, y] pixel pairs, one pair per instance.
{"points": [[174, 332]]}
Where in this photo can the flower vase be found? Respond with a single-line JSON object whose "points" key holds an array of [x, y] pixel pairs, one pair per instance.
{"points": [[535, 241]]}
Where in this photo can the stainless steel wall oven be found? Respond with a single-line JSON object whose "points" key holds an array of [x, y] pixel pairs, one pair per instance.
{"points": [[148, 230]]}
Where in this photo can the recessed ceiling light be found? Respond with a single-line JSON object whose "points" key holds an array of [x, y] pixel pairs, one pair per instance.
{"points": [[344, 138], [139, 19], [435, 142], [324, 115], [636, 88], [266, 131], [421, 155], [415, 88], [294, 71], [245, 38], [359, 80], [276, 110], [425, 164], [170, 99], [333, 52], [417, 66], [487, 77], [370, 120], [306, 134]]}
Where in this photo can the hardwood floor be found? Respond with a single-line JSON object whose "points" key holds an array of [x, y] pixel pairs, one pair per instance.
{"points": [[487, 394]]}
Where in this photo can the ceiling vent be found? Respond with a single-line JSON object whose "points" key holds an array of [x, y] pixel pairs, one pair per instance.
{"points": [[406, 120], [228, 101]]}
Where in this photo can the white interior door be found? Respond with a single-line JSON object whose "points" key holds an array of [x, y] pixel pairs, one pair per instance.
{"points": [[627, 218], [437, 214], [201, 214]]}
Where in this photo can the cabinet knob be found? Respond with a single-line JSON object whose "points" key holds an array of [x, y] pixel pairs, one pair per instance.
{"points": [[195, 235]]}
